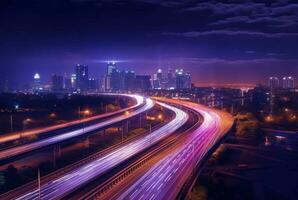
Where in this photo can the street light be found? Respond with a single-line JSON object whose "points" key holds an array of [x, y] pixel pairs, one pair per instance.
{"points": [[24, 123], [160, 117], [87, 112], [16, 107], [53, 115], [269, 118]]}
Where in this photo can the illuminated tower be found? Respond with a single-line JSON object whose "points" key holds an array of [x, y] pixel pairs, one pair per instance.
{"points": [[82, 77], [36, 82], [273, 83], [111, 67], [183, 79], [73, 81], [288, 82]]}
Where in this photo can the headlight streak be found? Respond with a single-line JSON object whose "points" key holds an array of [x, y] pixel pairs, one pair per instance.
{"points": [[82, 175], [177, 166], [14, 151], [14, 136]]}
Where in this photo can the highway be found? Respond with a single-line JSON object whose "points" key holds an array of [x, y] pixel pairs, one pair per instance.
{"points": [[17, 135], [165, 179], [80, 176], [18, 150]]}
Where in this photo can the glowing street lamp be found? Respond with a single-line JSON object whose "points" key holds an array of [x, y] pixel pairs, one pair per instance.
{"points": [[269, 118], [53, 115], [27, 120], [293, 117], [87, 112], [24, 123], [160, 117]]}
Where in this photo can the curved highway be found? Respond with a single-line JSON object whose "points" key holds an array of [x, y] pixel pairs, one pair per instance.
{"points": [[15, 136], [166, 178], [71, 181], [18, 150]]}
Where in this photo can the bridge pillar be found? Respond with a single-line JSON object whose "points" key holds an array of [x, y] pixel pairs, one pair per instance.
{"points": [[56, 154], [127, 126], [140, 120], [87, 142]]}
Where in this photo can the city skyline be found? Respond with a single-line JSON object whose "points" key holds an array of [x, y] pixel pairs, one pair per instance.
{"points": [[46, 79], [148, 99], [217, 42]]}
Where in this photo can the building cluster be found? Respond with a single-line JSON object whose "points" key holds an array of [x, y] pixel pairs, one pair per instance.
{"points": [[117, 80], [287, 82], [80, 81], [178, 79], [76, 82], [114, 80]]}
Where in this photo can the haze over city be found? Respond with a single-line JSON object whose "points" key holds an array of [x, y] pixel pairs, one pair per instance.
{"points": [[216, 41]]}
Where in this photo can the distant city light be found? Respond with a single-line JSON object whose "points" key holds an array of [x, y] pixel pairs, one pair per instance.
{"points": [[36, 76]]}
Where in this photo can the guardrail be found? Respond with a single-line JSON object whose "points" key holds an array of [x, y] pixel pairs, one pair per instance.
{"points": [[34, 184], [103, 188]]}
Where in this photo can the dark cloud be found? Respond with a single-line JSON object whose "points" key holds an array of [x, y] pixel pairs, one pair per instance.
{"points": [[232, 33], [229, 8], [51, 36]]}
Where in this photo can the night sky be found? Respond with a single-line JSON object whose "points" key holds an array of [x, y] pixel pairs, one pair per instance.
{"points": [[216, 41]]}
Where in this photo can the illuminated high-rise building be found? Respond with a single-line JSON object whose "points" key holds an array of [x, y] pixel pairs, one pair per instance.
{"points": [[288, 82], [171, 80], [115, 82], [183, 79], [158, 80], [273, 83], [73, 81], [128, 78], [113, 77], [155, 82], [36, 83], [82, 77], [159, 74], [93, 84], [111, 67]]}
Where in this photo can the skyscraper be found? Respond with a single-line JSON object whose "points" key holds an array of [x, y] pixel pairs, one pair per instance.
{"points": [[82, 77], [183, 79], [171, 80], [73, 81], [113, 77], [128, 80], [159, 74], [143, 82], [111, 67], [93, 84], [36, 83], [155, 82], [273, 83], [158, 80], [288, 82], [57, 83]]}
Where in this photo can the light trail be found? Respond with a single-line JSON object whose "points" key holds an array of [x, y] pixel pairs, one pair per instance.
{"points": [[18, 150], [166, 178], [17, 135], [71, 181]]}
